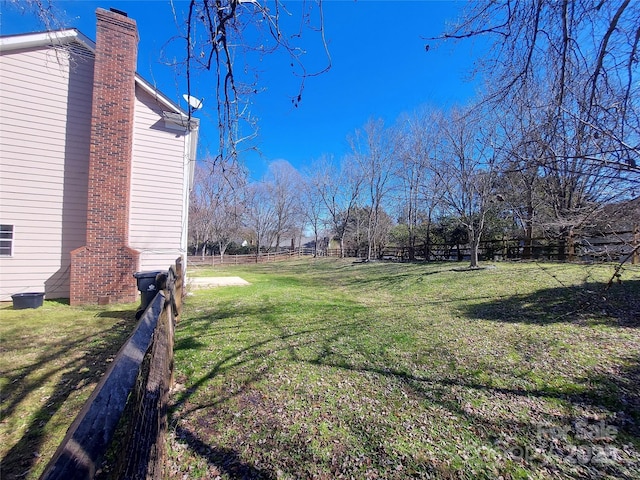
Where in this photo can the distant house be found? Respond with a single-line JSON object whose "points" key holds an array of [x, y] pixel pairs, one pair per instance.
{"points": [[95, 165]]}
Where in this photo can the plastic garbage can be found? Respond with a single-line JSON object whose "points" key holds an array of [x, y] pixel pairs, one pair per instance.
{"points": [[147, 286]]}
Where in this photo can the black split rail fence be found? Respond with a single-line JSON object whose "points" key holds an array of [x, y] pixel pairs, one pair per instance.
{"points": [[120, 431]]}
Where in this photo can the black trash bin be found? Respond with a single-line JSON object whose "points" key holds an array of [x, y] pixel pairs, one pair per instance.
{"points": [[27, 300], [147, 287]]}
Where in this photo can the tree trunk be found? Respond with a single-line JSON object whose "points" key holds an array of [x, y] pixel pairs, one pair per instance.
{"points": [[474, 238], [528, 232]]}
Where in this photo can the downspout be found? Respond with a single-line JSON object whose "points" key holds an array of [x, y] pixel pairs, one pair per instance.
{"points": [[190, 148]]}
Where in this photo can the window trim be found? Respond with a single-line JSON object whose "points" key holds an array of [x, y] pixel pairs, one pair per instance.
{"points": [[7, 228]]}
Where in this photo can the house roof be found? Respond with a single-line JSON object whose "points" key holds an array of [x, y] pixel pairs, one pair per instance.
{"points": [[67, 36]]}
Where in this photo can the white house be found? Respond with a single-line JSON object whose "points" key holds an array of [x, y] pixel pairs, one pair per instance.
{"points": [[95, 165]]}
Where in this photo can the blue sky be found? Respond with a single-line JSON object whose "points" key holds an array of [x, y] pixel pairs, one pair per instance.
{"points": [[380, 69]]}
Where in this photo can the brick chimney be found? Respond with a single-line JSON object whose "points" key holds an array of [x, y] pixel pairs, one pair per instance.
{"points": [[101, 271]]}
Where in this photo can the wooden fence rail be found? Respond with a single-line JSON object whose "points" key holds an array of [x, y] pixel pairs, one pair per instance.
{"points": [[125, 416]]}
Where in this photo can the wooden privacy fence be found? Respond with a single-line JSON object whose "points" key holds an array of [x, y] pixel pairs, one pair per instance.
{"points": [[119, 433]]}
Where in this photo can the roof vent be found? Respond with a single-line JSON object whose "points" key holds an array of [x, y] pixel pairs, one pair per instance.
{"points": [[119, 12]]}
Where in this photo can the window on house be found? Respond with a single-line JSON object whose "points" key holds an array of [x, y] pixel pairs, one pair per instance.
{"points": [[6, 240]]}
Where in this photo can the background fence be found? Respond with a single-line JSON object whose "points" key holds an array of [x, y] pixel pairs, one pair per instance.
{"points": [[120, 431], [610, 248], [613, 247], [212, 260]]}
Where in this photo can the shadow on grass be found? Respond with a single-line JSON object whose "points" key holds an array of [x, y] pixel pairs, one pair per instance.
{"points": [[282, 340], [117, 314], [617, 393], [189, 343], [78, 371], [58, 301], [226, 460], [583, 304]]}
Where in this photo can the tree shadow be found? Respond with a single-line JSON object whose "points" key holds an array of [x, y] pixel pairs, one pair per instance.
{"points": [[586, 304], [619, 392], [189, 343], [226, 460], [616, 394], [282, 340], [323, 336], [78, 371]]}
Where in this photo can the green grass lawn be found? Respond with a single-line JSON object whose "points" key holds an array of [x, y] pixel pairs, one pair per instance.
{"points": [[51, 358], [330, 369]]}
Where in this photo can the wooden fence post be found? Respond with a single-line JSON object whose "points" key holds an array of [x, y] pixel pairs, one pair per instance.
{"points": [[179, 285], [85, 444], [136, 386], [636, 245], [571, 246], [145, 454]]}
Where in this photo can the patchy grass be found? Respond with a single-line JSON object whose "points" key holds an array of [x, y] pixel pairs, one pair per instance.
{"points": [[51, 358], [329, 369]]}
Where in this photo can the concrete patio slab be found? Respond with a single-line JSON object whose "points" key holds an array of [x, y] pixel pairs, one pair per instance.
{"points": [[210, 282]]}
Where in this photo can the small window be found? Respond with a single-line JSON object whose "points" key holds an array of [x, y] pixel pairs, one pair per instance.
{"points": [[6, 240]]}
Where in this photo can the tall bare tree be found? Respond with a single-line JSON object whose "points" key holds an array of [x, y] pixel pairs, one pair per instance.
{"points": [[467, 168], [339, 188], [229, 183], [373, 148], [585, 55], [313, 208], [259, 216], [200, 211], [216, 204], [283, 182], [418, 190]]}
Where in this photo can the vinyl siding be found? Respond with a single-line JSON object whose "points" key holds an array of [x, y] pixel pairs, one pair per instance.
{"points": [[157, 193], [44, 156]]}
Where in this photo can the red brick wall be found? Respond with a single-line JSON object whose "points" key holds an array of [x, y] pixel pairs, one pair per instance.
{"points": [[102, 270]]}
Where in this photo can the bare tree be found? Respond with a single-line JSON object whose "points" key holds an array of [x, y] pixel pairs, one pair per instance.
{"points": [[215, 204], [339, 189], [199, 211], [521, 177], [373, 149], [584, 54], [418, 190], [260, 216], [229, 37], [313, 207], [574, 66], [467, 169], [282, 182], [228, 182]]}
